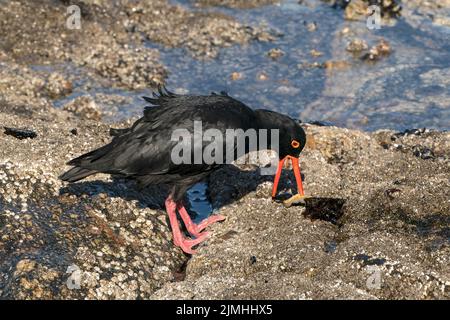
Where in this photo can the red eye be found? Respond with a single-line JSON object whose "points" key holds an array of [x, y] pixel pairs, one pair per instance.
{"points": [[295, 144]]}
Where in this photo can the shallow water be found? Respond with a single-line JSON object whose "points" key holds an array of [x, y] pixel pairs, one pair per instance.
{"points": [[396, 92], [200, 207], [407, 89]]}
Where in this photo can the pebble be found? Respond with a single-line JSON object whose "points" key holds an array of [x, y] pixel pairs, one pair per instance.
{"points": [[236, 76], [20, 133], [357, 45], [275, 53]]}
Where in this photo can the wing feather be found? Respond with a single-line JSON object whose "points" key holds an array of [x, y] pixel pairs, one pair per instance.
{"points": [[145, 149]]}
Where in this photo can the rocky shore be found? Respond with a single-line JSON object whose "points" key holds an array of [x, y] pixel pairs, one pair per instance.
{"points": [[376, 225]]}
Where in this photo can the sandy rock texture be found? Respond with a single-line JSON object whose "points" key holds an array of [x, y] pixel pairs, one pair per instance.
{"points": [[101, 43], [100, 239], [376, 225], [112, 38], [374, 207]]}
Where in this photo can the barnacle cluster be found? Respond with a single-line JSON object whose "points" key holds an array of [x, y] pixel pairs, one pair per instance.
{"points": [[389, 8]]}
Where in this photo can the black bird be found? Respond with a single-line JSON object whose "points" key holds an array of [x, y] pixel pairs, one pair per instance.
{"points": [[144, 151]]}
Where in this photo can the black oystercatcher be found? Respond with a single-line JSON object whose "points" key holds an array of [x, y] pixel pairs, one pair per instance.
{"points": [[144, 151]]}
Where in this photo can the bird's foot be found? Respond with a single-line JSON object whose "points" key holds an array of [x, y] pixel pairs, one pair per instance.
{"points": [[187, 244], [207, 222], [194, 229]]}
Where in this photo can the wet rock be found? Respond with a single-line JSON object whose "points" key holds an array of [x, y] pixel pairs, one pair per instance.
{"points": [[327, 209], [241, 4], [111, 41], [340, 3], [330, 247], [320, 123], [369, 261], [345, 31], [314, 64], [114, 241], [112, 54], [423, 152], [357, 45], [335, 65], [58, 86], [315, 53], [420, 100], [423, 143], [135, 68], [207, 32], [84, 107], [236, 76], [98, 239], [442, 21], [403, 238], [275, 53], [263, 76], [24, 86], [357, 9], [391, 8], [378, 51], [24, 266], [408, 132], [311, 27]]}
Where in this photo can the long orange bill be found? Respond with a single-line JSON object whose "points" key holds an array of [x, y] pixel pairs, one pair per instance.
{"points": [[277, 177], [297, 174]]}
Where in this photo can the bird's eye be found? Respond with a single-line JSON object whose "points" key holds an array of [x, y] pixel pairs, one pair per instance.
{"points": [[295, 144]]}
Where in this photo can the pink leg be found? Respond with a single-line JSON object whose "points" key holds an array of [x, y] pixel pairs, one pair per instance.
{"points": [[178, 238], [195, 229]]}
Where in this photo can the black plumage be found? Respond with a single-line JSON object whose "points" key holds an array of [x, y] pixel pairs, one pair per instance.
{"points": [[143, 151]]}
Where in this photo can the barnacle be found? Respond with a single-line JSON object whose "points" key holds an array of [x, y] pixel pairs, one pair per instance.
{"points": [[389, 8]]}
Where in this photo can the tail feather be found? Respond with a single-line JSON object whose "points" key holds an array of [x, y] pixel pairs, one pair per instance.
{"points": [[118, 132], [98, 160], [76, 174], [87, 159]]}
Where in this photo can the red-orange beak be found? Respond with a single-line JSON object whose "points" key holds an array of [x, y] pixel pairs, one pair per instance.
{"points": [[298, 177]]}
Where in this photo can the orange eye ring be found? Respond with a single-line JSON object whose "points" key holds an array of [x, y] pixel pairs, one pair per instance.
{"points": [[295, 144]]}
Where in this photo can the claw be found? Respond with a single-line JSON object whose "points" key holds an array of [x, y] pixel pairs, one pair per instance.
{"points": [[209, 221], [187, 244], [196, 229], [179, 239]]}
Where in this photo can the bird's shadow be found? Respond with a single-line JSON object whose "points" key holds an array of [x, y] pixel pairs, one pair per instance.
{"points": [[225, 186], [151, 197], [231, 184]]}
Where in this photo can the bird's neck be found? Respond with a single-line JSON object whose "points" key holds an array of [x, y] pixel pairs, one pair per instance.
{"points": [[272, 122], [266, 119]]}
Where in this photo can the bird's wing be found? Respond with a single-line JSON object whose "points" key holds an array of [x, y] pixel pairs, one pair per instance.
{"points": [[147, 147]]}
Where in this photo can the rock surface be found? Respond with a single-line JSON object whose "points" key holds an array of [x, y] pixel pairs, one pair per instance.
{"points": [[101, 235], [242, 4], [377, 224], [374, 207]]}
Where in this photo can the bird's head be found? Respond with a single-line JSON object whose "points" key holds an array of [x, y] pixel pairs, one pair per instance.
{"points": [[292, 140]]}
